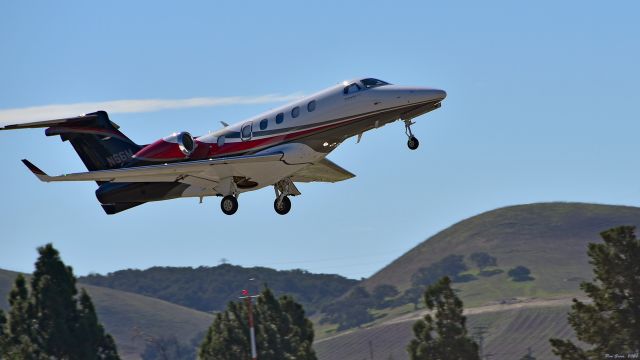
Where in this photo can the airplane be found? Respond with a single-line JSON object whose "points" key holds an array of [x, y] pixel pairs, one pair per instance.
{"points": [[277, 148]]}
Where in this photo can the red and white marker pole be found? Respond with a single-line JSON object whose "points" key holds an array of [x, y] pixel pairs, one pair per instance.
{"points": [[252, 332]]}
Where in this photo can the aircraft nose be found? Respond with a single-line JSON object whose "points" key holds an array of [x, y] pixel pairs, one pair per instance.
{"points": [[432, 94], [440, 94]]}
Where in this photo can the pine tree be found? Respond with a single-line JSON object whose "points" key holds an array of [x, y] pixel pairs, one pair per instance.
{"points": [[443, 336], [90, 333], [54, 303], [283, 332], [301, 344], [51, 320], [3, 322], [611, 323], [20, 339]]}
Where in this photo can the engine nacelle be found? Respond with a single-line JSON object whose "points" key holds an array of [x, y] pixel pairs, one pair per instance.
{"points": [[177, 146]]}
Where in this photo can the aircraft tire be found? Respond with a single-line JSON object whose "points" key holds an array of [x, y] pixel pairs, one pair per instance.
{"points": [[284, 207], [413, 143], [229, 205]]}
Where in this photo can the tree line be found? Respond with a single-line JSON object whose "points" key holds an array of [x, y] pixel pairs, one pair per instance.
{"points": [[210, 288]]}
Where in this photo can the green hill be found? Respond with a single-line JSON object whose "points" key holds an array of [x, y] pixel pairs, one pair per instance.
{"points": [[131, 318], [549, 238], [211, 288]]}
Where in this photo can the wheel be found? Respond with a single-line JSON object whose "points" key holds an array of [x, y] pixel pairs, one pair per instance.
{"points": [[229, 205], [284, 207], [413, 143]]}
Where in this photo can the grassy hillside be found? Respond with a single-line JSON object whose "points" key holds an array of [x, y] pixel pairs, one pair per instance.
{"points": [[550, 239], [508, 335], [211, 288], [131, 317]]}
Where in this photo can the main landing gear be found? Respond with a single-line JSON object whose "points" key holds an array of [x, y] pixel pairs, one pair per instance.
{"points": [[284, 188], [229, 205], [282, 204], [413, 142]]}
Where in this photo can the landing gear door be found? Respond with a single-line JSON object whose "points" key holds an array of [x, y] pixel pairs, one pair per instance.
{"points": [[246, 131]]}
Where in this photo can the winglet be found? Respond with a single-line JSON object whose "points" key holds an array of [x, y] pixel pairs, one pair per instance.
{"points": [[41, 175]]}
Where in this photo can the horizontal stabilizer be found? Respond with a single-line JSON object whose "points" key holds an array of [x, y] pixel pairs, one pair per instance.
{"points": [[76, 120]]}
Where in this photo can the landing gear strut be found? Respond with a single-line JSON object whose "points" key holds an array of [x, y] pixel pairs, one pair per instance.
{"points": [[229, 205], [413, 142], [283, 189]]}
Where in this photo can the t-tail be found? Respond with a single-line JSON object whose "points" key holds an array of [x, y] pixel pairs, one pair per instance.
{"points": [[97, 141], [95, 138]]}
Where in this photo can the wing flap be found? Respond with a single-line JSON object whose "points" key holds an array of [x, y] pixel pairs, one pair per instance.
{"points": [[324, 170]]}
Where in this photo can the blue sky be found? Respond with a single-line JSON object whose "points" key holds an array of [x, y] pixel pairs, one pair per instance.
{"points": [[542, 106]]}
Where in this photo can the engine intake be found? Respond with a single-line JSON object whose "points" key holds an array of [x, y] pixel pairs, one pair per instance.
{"points": [[186, 144]]}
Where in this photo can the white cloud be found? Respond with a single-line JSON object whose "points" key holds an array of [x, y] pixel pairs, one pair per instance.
{"points": [[57, 111]]}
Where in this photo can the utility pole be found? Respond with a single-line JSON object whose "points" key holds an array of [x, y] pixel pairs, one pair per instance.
{"points": [[248, 299]]}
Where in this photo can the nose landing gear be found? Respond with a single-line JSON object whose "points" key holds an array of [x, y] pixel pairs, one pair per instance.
{"points": [[413, 142]]}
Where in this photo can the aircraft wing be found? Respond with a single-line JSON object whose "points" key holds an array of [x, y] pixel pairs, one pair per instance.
{"points": [[323, 171], [194, 171]]}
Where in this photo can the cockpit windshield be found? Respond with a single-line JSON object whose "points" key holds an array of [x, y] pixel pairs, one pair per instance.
{"points": [[371, 83]]}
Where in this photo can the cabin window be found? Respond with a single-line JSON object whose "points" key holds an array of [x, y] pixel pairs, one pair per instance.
{"points": [[353, 88], [220, 141], [263, 124], [295, 112], [311, 106], [279, 118]]}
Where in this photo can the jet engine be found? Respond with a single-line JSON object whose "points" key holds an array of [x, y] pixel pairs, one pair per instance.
{"points": [[177, 146]]}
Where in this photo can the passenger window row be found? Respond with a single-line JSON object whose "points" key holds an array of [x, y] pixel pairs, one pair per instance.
{"points": [[295, 112]]}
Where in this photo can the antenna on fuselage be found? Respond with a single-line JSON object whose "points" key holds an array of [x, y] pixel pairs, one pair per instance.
{"points": [[224, 124]]}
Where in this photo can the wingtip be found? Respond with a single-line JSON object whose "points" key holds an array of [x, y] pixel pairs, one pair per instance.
{"points": [[35, 170]]}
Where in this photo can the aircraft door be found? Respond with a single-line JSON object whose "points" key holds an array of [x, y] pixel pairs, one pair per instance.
{"points": [[246, 131]]}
